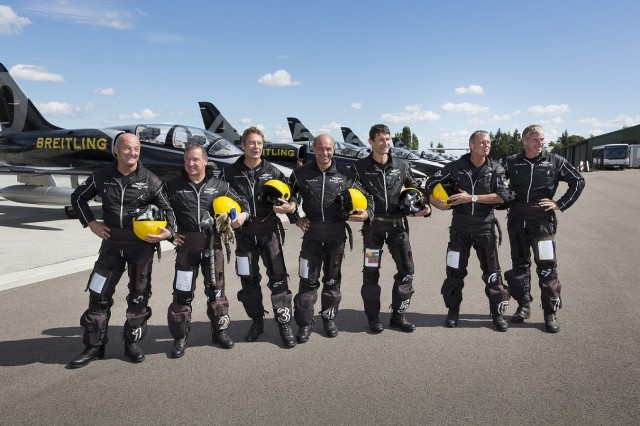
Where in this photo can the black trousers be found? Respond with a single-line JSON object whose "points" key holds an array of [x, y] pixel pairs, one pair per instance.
{"points": [[375, 235], [537, 237]]}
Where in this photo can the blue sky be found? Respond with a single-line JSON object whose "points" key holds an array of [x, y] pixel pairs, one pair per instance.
{"points": [[444, 68]]}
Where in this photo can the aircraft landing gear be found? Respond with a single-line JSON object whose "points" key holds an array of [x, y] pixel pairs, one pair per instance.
{"points": [[70, 212]]}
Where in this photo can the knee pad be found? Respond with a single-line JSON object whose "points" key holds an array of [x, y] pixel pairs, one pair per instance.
{"points": [[492, 279], [134, 333]]}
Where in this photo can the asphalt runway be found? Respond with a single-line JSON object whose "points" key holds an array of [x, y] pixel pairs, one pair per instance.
{"points": [[587, 374]]}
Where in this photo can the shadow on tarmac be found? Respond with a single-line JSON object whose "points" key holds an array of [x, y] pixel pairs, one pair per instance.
{"points": [[64, 343], [22, 216]]}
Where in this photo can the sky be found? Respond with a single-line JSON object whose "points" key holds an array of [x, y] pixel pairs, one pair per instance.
{"points": [[443, 68]]}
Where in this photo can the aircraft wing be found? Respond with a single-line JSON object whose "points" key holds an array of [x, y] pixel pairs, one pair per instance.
{"points": [[28, 170]]}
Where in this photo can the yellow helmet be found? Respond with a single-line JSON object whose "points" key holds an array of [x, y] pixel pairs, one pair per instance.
{"points": [[224, 204], [440, 193], [350, 200], [148, 221], [411, 201], [272, 190]]}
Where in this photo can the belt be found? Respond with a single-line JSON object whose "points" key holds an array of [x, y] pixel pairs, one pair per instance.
{"points": [[394, 220]]}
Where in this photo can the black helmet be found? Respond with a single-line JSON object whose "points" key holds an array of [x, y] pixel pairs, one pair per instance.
{"points": [[411, 201]]}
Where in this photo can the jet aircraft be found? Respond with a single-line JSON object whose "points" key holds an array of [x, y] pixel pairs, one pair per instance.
{"points": [[424, 166], [284, 154], [36, 151]]}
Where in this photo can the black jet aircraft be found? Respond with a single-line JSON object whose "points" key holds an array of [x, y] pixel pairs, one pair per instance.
{"points": [[37, 151], [343, 153], [285, 154], [426, 167]]}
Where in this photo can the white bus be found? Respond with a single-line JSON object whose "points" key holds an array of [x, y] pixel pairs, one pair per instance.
{"points": [[611, 156]]}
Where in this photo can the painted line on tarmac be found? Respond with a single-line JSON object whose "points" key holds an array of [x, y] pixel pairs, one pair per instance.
{"points": [[42, 273]]}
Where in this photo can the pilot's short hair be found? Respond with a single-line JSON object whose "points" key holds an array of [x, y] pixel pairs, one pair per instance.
{"points": [[477, 133], [378, 128], [249, 131], [191, 146], [532, 130]]}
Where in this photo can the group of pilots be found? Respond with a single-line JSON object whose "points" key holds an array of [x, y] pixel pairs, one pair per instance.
{"points": [[202, 214]]}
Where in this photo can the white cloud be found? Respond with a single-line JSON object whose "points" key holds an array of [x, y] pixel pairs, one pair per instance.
{"points": [[177, 113], [10, 22], [86, 12], [549, 109], [413, 108], [62, 109], [465, 108], [34, 73], [412, 114], [105, 91], [472, 89], [246, 120], [620, 121], [280, 78], [356, 105], [145, 114]]}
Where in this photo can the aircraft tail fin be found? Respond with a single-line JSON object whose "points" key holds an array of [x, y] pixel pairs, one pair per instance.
{"points": [[215, 122], [299, 133], [350, 137], [398, 143], [17, 112]]}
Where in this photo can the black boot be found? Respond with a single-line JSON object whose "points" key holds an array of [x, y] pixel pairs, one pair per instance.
{"points": [[304, 331], [551, 322], [499, 322], [399, 321], [87, 355], [133, 351], [221, 338], [375, 325], [256, 329], [522, 313], [287, 334], [452, 318], [330, 328], [179, 345]]}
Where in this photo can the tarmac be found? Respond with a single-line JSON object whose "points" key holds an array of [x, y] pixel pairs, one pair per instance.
{"points": [[587, 374]]}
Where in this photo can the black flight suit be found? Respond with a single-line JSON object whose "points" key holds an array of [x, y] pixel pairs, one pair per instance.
{"points": [[473, 225], [385, 182], [121, 196], [532, 228], [190, 202], [259, 239], [323, 243]]}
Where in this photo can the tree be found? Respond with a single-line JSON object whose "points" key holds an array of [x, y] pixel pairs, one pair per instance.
{"points": [[505, 144], [415, 144], [564, 140]]}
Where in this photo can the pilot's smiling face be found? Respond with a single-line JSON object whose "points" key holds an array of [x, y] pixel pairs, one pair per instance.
{"points": [[381, 143], [195, 163], [127, 150], [252, 146]]}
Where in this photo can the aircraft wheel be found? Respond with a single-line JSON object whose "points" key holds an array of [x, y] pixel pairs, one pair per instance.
{"points": [[70, 212]]}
